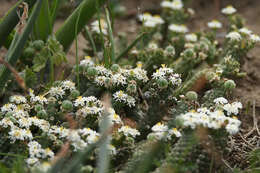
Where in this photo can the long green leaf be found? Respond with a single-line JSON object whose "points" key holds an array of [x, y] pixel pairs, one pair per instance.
{"points": [[87, 9], [10, 20], [43, 25], [18, 45]]}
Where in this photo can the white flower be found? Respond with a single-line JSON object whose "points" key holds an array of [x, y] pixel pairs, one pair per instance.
{"points": [[95, 26], [159, 127], [145, 17], [80, 101], [234, 36], [119, 79], [166, 4], [57, 92], [128, 131], [112, 149], [93, 110], [138, 73], [24, 122], [215, 24], [35, 149], [152, 46], [86, 132], [48, 153], [254, 38], [191, 37], [40, 99], [150, 21], [175, 132], [6, 122], [120, 96], [9, 107], [68, 85], [100, 80], [245, 31], [16, 134], [113, 117], [228, 10], [32, 161], [93, 137], [175, 79], [178, 28], [61, 131], [20, 113], [232, 129], [220, 100], [87, 61], [18, 99], [158, 74], [174, 5], [232, 108]]}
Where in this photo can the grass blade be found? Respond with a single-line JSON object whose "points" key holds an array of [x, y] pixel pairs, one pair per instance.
{"points": [[87, 10], [130, 46], [18, 45], [111, 38]]}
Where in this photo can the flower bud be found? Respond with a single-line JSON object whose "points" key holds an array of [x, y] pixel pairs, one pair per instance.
{"points": [[42, 114], [38, 108], [162, 83], [67, 105], [192, 95], [74, 94], [229, 85], [29, 52], [38, 44], [91, 71], [115, 68]]}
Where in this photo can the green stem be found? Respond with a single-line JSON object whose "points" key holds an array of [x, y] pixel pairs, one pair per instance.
{"points": [[52, 70], [76, 41], [130, 46], [111, 38], [89, 36]]}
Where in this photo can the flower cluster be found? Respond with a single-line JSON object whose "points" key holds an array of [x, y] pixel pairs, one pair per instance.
{"points": [[88, 106], [173, 5], [229, 10], [165, 76], [178, 28], [128, 131], [161, 131], [150, 21], [122, 97], [216, 119]]}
